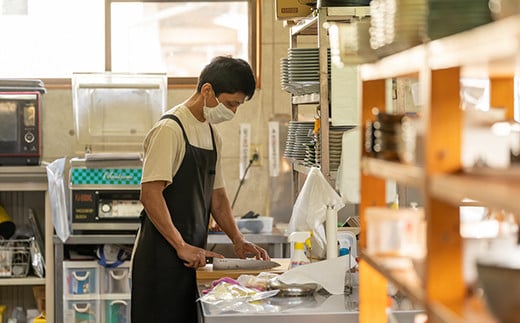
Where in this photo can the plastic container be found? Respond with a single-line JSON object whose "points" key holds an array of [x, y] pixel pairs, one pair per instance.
{"points": [[261, 224], [347, 239], [3, 308], [394, 233], [299, 240], [18, 315]]}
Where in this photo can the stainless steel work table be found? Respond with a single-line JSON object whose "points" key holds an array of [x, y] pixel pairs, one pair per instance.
{"points": [[321, 307], [276, 241]]}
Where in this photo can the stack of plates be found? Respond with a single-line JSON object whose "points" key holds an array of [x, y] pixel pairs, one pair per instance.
{"points": [[448, 17], [313, 149], [397, 25], [299, 136], [300, 72], [284, 73], [335, 144], [312, 153]]}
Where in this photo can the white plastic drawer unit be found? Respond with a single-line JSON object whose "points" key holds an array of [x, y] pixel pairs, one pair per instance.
{"points": [[116, 280], [82, 311], [80, 278], [116, 310]]}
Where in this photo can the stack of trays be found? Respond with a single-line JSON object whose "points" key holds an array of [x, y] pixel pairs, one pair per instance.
{"points": [[299, 136], [397, 25], [447, 17], [300, 72]]}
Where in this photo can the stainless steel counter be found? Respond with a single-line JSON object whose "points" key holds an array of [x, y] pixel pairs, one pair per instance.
{"points": [[321, 307], [276, 241]]}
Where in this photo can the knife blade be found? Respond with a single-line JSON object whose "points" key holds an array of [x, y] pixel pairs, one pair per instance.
{"points": [[248, 264]]}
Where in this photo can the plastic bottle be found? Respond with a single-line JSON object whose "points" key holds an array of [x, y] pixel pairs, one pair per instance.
{"points": [[299, 239], [17, 316]]}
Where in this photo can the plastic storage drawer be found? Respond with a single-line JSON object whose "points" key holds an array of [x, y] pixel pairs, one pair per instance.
{"points": [[81, 278], [116, 280], [82, 311], [116, 310]]}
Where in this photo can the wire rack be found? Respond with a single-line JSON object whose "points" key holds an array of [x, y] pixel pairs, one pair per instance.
{"points": [[15, 257]]}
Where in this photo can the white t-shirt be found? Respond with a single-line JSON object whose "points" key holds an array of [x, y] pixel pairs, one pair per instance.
{"points": [[164, 146]]}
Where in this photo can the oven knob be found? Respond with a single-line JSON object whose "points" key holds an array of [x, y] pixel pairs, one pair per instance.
{"points": [[105, 208], [29, 137]]}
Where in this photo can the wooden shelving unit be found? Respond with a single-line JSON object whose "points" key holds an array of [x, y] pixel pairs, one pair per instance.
{"points": [[19, 180], [489, 51]]}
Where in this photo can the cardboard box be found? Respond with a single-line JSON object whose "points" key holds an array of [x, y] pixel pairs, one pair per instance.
{"points": [[290, 9]]}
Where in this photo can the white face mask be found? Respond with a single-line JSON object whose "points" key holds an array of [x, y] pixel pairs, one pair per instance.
{"points": [[217, 114]]}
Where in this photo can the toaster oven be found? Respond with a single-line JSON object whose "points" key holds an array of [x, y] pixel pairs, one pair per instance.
{"points": [[20, 124]]}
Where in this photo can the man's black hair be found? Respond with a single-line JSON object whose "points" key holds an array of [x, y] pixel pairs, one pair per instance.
{"points": [[228, 75]]}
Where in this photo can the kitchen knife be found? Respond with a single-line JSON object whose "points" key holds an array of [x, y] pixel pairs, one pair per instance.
{"points": [[247, 264]]}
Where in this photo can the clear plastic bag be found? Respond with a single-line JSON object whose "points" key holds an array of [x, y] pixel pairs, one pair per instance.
{"points": [[234, 297], [58, 198], [310, 209], [37, 260]]}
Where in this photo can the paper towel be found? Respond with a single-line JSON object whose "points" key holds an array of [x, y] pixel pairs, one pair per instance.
{"points": [[329, 274]]}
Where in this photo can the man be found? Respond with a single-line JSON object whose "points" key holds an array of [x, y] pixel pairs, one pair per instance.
{"points": [[181, 185]]}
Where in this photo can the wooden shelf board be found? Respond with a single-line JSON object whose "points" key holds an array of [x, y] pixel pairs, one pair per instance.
{"points": [[22, 281], [486, 51], [23, 178], [404, 174], [473, 310], [497, 192], [492, 47], [407, 63], [406, 280]]}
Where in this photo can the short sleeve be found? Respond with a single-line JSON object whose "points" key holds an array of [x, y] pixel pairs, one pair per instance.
{"points": [[164, 150]]}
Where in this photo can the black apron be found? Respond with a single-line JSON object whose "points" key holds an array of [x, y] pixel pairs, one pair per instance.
{"points": [[163, 289]]}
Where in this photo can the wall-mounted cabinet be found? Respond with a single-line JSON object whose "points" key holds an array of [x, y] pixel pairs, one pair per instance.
{"points": [[489, 51]]}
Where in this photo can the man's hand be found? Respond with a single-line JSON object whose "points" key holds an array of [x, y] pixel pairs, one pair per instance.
{"points": [[195, 257], [244, 248]]}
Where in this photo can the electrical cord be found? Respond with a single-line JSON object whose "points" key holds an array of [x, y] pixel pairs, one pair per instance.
{"points": [[255, 158]]}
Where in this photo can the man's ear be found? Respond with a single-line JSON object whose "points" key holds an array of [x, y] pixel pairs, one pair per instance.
{"points": [[206, 89]]}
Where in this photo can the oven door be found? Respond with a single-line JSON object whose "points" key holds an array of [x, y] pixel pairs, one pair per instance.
{"points": [[19, 128]]}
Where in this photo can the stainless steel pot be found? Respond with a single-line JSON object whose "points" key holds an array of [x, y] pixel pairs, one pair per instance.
{"points": [[292, 290]]}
